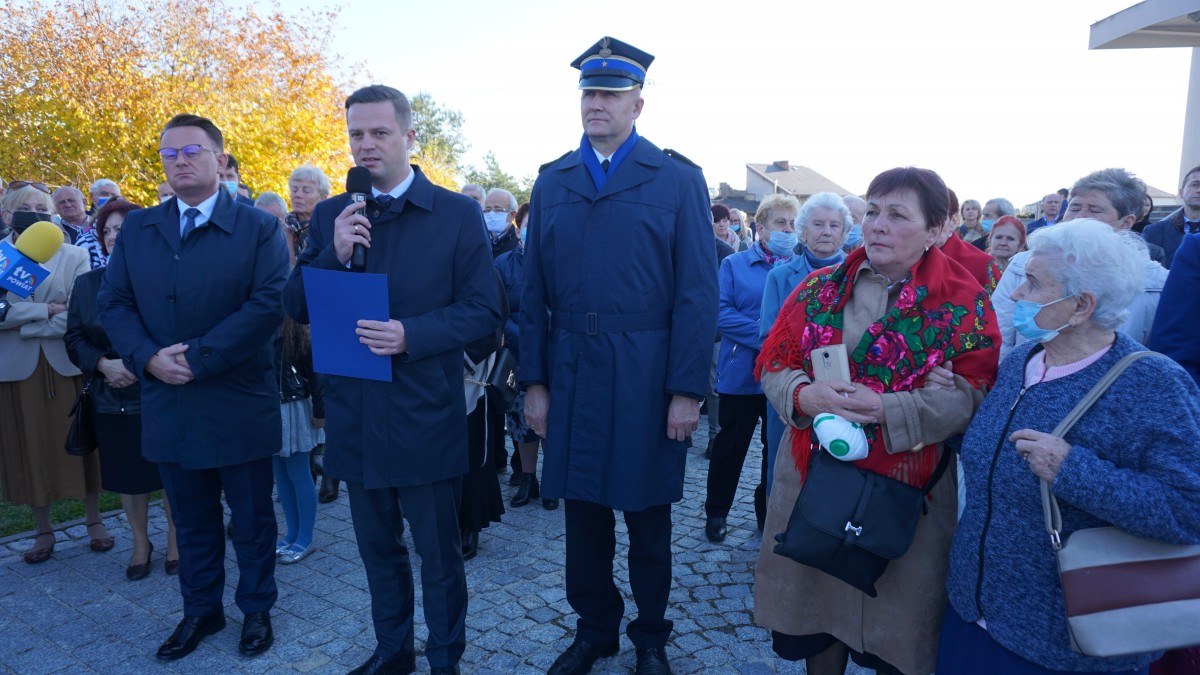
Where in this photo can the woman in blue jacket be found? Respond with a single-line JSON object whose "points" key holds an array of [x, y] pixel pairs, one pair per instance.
{"points": [[823, 223], [742, 279]]}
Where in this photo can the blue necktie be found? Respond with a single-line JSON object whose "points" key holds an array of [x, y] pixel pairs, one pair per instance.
{"points": [[189, 222], [384, 200]]}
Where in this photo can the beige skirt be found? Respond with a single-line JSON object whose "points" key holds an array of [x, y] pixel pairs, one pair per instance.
{"points": [[34, 417], [902, 624]]}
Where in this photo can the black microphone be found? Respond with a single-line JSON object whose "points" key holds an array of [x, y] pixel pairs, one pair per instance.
{"points": [[358, 186]]}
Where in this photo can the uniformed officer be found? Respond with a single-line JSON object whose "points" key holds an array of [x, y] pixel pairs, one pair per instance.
{"points": [[620, 305]]}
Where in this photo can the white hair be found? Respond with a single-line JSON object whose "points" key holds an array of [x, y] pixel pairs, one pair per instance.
{"points": [[313, 175], [1098, 260], [103, 183], [67, 189], [826, 200], [271, 198], [512, 201]]}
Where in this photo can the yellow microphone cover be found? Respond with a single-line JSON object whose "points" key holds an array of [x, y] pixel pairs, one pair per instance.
{"points": [[40, 241]]}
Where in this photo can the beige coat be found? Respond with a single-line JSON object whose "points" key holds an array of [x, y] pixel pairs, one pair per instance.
{"points": [[901, 625], [29, 330]]}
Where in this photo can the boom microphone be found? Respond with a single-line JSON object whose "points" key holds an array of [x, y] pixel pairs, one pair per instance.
{"points": [[358, 186]]}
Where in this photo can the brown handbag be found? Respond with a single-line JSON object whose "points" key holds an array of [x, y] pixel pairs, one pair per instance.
{"points": [[1123, 594]]}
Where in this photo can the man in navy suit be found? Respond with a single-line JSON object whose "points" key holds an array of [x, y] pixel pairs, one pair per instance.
{"points": [[401, 446], [193, 294]]}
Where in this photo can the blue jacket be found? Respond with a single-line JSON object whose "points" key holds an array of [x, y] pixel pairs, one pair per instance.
{"points": [[1127, 466], [1176, 330], [784, 279], [511, 266], [219, 293], [742, 279], [619, 299], [433, 247]]}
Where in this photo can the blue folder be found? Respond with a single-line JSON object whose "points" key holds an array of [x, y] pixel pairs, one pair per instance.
{"points": [[337, 301]]}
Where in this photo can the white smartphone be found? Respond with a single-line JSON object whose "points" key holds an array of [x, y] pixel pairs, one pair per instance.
{"points": [[830, 364]]}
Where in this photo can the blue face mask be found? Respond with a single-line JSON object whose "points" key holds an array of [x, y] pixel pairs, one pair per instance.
{"points": [[524, 232], [987, 225], [853, 237], [100, 202], [783, 244], [232, 186], [1024, 320], [735, 227]]}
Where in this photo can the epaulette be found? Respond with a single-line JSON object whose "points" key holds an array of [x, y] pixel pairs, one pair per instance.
{"points": [[677, 155], [556, 160]]}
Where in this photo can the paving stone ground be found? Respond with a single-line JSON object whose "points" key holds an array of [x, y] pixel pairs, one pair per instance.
{"points": [[76, 613]]}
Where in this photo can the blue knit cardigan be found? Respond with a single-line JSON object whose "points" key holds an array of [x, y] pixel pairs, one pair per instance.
{"points": [[1134, 463]]}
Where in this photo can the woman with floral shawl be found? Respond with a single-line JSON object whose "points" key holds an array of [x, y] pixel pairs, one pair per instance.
{"points": [[901, 307]]}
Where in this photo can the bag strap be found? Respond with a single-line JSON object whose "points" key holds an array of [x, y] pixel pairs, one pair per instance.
{"points": [[1050, 510], [941, 469]]}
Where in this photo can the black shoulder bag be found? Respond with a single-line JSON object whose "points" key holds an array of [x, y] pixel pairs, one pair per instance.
{"points": [[850, 523]]}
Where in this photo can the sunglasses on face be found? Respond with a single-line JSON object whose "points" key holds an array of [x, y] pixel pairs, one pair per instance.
{"points": [[189, 152], [18, 184]]}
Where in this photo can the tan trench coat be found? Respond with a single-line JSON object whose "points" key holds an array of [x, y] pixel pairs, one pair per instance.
{"points": [[901, 625]]}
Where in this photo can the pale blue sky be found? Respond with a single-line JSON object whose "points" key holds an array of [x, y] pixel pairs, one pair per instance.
{"points": [[1001, 98]]}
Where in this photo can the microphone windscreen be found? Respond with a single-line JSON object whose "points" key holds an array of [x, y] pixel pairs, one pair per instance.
{"points": [[358, 179], [40, 241]]}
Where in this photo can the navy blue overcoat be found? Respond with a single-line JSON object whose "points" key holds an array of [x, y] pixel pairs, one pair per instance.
{"points": [[219, 293], [432, 245], [618, 312]]}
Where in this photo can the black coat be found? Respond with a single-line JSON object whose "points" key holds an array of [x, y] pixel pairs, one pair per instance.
{"points": [[296, 378], [432, 245], [87, 342]]}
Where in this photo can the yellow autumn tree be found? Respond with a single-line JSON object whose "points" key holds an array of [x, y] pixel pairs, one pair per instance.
{"points": [[86, 86]]}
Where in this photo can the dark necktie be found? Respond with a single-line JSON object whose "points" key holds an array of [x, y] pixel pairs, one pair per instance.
{"points": [[189, 222], [1191, 226], [384, 200], [604, 166]]}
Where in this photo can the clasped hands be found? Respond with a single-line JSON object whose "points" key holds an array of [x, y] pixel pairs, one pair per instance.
{"points": [[170, 366]]}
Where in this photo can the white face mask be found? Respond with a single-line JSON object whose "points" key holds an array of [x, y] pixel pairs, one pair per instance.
{"points": [[496, 221]]}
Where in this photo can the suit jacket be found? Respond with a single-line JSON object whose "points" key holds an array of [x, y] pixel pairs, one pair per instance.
{"points": [[1166, 233], [219, 293], [432, 245], [28, 330], [617, 308], [1176, 330]]}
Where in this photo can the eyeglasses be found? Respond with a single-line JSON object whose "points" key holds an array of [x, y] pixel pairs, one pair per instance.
{"points": [[189, 152], [18, 184], [735, 222], [496, 209]]}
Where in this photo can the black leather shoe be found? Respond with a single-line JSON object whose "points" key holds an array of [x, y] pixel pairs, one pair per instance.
{"points": [[328, 491], [470, 545], [444, 670], [580, 656], [528, 490], [715, 529], [257, 636], [188, 634], [652, 661], [549, 504], [377, 665]]}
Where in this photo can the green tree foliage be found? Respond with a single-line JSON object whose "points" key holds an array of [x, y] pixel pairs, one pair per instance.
{"points": [[492, 176], [440, 144]]}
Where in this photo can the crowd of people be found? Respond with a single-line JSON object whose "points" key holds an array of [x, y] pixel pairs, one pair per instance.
{"points": [[963, 335]]}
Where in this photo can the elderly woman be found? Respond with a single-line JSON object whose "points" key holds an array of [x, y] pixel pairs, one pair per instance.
{"points": [[116, 406], [982, 266], [742, 278], [823, 224], [1115, 467], [900, 307], [306, 186], [1006, 239], [38, 387]]}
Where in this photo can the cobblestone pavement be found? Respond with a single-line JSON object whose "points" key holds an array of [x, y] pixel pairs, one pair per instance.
{"points": [[77, 613]]}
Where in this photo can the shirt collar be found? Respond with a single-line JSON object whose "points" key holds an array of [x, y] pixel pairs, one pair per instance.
{"points": [[205, 208], [398, 191], [600, 158]]}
